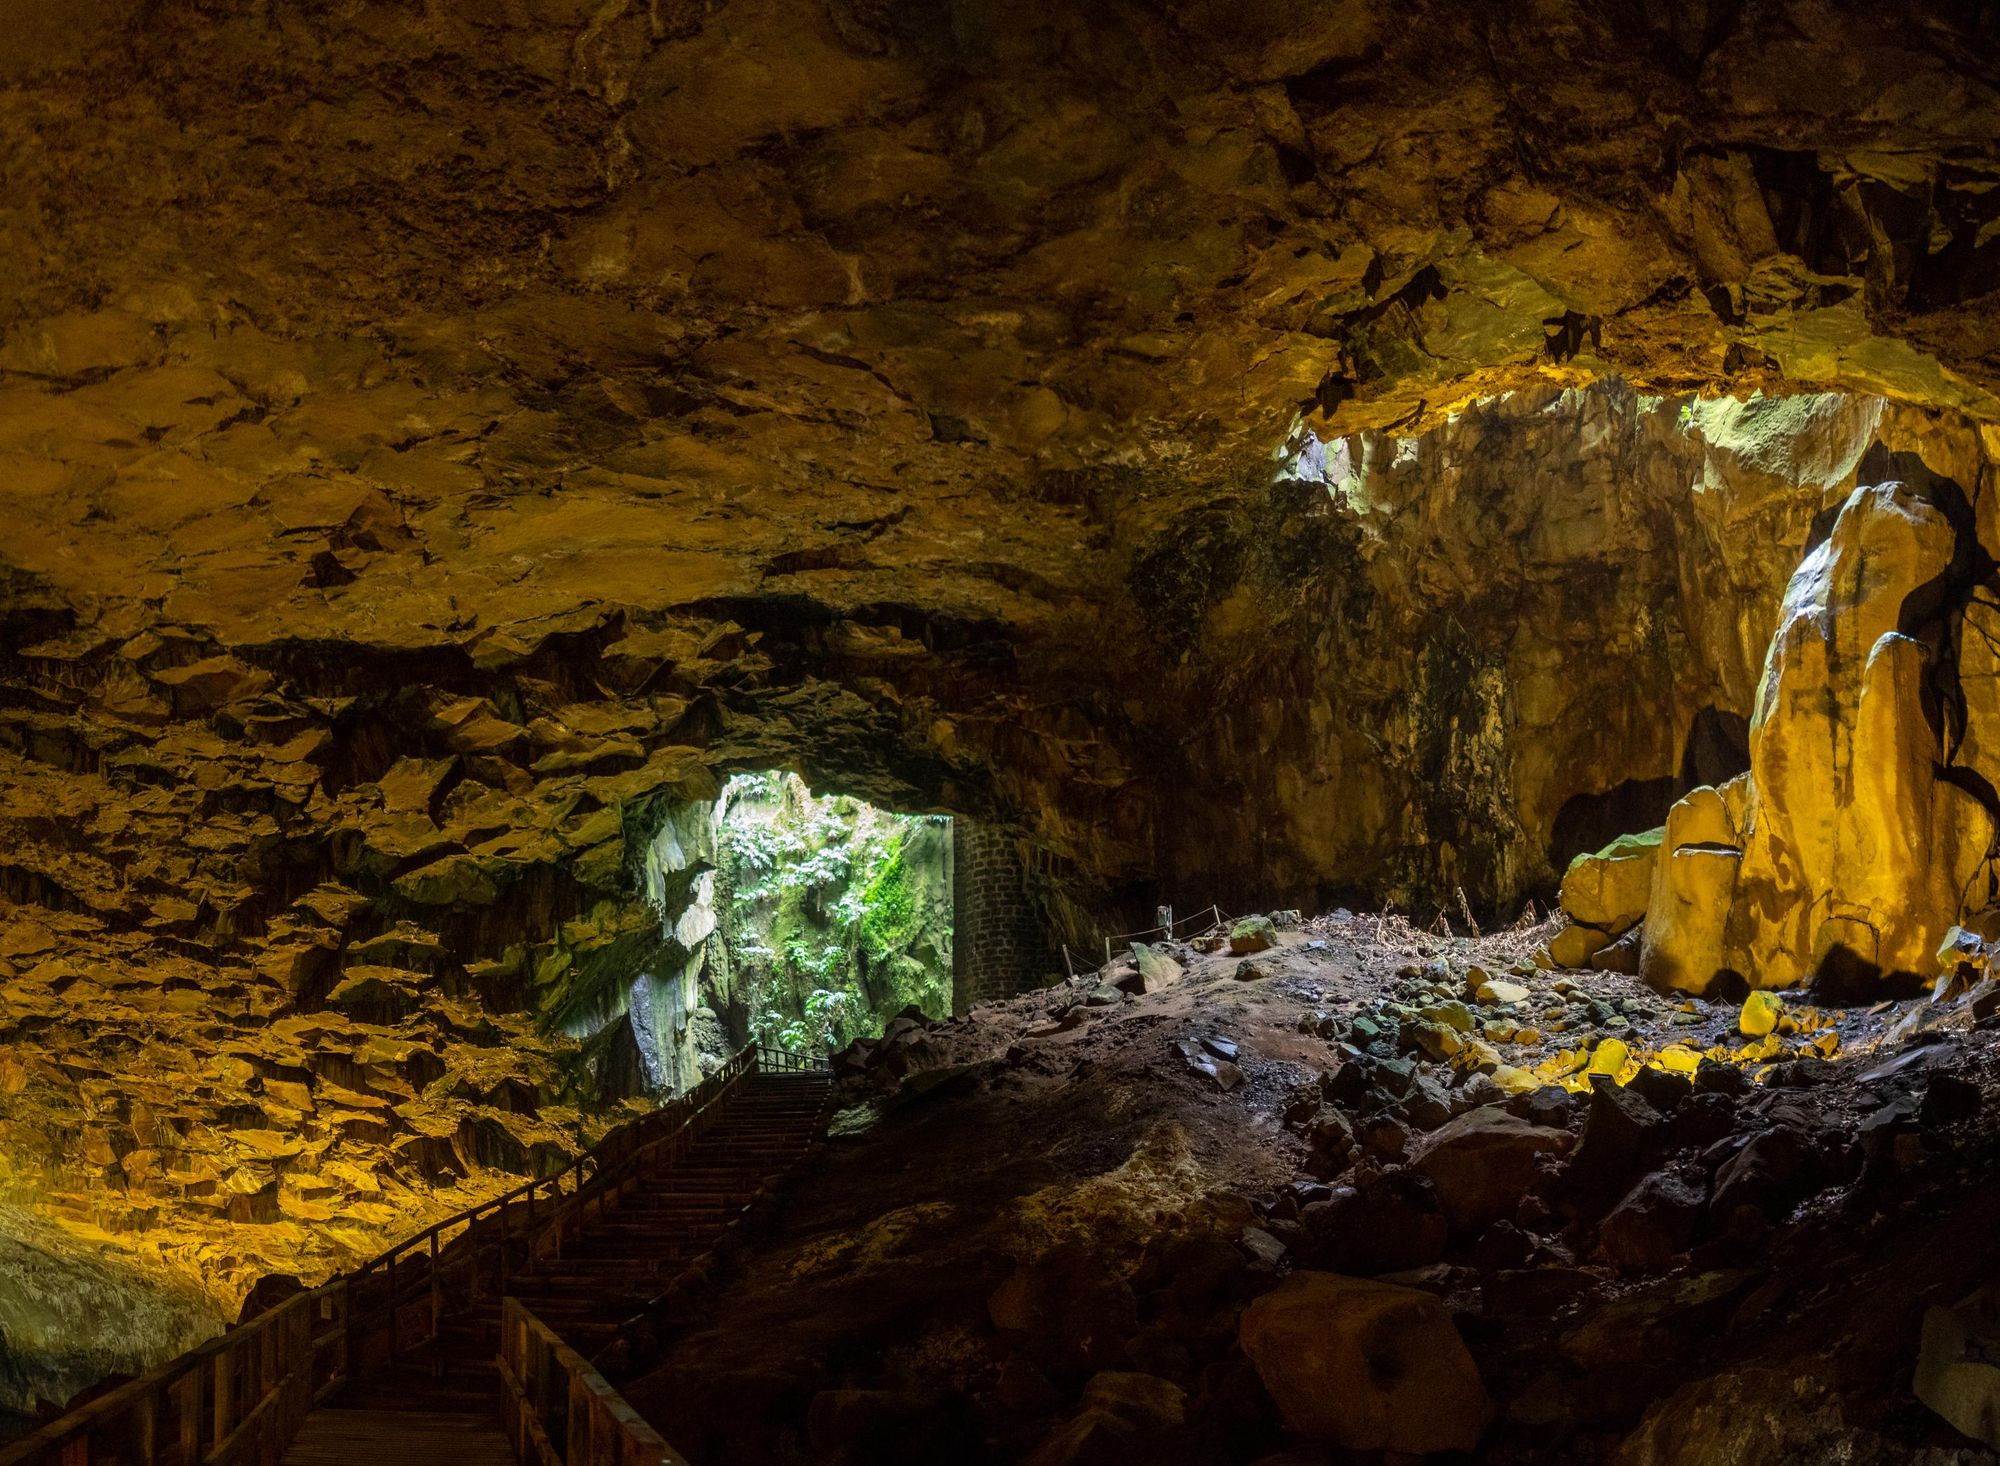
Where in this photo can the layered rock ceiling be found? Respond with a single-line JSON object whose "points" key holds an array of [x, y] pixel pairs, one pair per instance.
{"points": [[439, 443]]}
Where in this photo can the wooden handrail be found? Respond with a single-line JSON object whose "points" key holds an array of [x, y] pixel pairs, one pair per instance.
{"points": [[561, 1412], [784, 1061], [238, 1399]]}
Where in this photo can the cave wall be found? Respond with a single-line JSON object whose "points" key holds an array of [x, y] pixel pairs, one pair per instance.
{"points": [[1457, 660], [435, 440], [309, 937]]}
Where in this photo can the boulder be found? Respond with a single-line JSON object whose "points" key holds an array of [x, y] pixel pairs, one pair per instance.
{"points": [[1499, 991], [1391, 1224], [1777, 1167], [1622, 956], [1609, 889], [1958, 1365], [1694, 886], [1484, 1162], [1332, 1141], [1155, 966], [1684, 948], [1575, 945], [1365, 1366], [1653, 1224], [1142, 1400], [1252, 934], [1620, 1132], [1856, 855], [1092, 1438], [1759, 1014]]}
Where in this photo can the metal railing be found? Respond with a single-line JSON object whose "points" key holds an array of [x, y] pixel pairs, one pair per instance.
{"points": [[239, 1399], [561, 1412]]}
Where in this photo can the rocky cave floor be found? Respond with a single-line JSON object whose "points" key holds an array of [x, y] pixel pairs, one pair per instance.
{"points": [[1035, 1229]]}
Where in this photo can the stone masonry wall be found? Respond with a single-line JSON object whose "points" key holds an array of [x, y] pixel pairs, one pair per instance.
{"points": [[1000, 944]]}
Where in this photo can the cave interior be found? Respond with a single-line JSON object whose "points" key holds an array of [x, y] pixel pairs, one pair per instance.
{"points": [[894, 731]]}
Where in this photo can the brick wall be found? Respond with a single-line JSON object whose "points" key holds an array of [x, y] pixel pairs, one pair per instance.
{"points": [[1000, 943]]}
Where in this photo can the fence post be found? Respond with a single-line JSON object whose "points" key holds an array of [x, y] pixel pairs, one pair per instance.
{"points": [[225, 1392], [395, 1309]]}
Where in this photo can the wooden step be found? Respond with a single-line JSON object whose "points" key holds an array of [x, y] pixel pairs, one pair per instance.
{"points": [[399, 1438]]}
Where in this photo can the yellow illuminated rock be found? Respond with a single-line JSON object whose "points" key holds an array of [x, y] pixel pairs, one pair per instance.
{"points": [[1760, 1014], [1500, 990], [1855, 855], [1515, 1080], [1679, 1059], [1576, 944], [1609, 1057], [1609, 889], [1694, 886]]}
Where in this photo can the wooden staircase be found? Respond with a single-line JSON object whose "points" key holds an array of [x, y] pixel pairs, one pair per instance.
{"points": [[394, 1363], [615, 1263]]}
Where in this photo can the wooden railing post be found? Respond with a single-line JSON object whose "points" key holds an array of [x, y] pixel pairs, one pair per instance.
{"points": [[223, 1394], [394, 1308], [148, 1439], [187, 1407]]}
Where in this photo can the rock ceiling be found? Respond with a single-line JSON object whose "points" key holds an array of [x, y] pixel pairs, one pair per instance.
{"points": [[434, 438]]}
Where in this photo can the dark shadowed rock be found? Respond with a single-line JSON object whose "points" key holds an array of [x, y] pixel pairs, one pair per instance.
{"points": [[1653, 1224], [1391, 1223], [1484, 1161], [1365, 1366]]}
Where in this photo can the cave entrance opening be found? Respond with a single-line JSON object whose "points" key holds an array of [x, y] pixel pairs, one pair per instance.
{"points": [[788, 917], [832, 915]]}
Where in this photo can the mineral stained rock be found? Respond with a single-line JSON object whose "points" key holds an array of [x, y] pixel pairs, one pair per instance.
{"points": [[1856, 850]]}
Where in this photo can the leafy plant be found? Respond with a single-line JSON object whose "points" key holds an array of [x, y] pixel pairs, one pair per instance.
{"points": [[833, 923]]}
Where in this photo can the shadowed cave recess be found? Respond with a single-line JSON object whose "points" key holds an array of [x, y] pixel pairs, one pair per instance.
{"points": [[1341, 663]]}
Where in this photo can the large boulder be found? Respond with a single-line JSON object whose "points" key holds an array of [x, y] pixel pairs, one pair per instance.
{"points": [[1856, 855], [1484, 1162], [1252, 934], [1365, 1366], [1694, 886], [1956, 1375], [1609, 890]]}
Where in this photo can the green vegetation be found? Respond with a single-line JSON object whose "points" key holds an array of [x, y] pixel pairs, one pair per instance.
{"points": [[835, 915]]}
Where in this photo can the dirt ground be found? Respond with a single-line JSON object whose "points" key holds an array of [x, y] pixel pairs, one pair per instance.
{"points": [[1018, 1204]]}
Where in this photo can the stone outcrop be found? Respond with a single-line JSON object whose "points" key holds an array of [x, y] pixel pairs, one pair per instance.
{"points": [[1863, 833]]}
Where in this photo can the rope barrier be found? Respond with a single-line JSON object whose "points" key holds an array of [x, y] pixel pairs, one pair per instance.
{"points": [[1221, 919]]}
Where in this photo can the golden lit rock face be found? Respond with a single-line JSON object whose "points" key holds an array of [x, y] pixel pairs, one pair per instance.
{"points": [[1694, 888], [1859, 837], [1856, 851]]}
